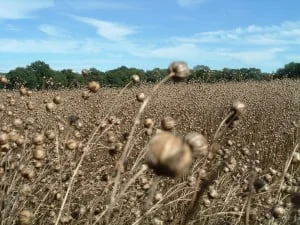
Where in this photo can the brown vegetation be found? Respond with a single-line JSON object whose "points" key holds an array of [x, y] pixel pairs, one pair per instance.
{"points": [[73, 157]]}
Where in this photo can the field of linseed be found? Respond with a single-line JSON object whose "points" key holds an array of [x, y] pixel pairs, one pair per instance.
{"points": [[71, 157]]}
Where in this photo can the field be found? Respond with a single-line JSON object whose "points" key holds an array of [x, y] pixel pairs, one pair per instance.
{"points": [[78, 157]]}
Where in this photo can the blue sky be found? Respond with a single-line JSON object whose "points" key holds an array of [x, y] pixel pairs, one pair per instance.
{"points": [[146, 34]]}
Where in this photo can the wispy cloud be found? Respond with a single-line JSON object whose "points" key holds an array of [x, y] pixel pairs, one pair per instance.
{"points": [[189, 3], [94, 5], [109, 30], [284, 33], [20, 9], [52, 30]]}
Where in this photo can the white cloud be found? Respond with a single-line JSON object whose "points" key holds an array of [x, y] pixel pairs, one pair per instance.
{"points": [[38, 46], [52, 30], [189, 3], [94, 5], [285, 33], [20, 9], [109, 30]]}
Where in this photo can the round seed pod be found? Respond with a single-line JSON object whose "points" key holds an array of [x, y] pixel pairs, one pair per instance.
{"points": [[2, 107], [28, 172], [29, 93], [57, 99], [23, 91], [50, 134], [168, 155], [71, 144], [3, 80], [84, 72], [140, 97], [4, 138], [198, 143], [5, 147], [135, 78], [13, 136], [38, 139], [17, 122], [30, 105], [180, 70], [85, 95], [296, 157], [39, 153], [213, 193], [148, 123], [50, 106], [260, 184], [25, 217], [238, 107], [278, 211], [168, 123], [94, 86]]}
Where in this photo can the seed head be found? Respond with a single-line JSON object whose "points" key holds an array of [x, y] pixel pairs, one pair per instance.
{"points": [[94, 86], [168, 123], [296, 157], [238, 107], [180, 70], [85, 95], [278, 211], [148, 123], [4, 138], [57, 99], [84, 72], [25, 217], [140, 97], [28, 172], [50, 106], [39, 153], [135, 78], [3, 80], [198, 143], [23, 91], [168, 155]]}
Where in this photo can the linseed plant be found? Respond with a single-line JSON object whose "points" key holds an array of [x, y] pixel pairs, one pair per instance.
{"points": [[60, 166]]}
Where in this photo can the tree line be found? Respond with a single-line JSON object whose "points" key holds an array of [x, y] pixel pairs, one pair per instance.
{"points": [[38, 75]]}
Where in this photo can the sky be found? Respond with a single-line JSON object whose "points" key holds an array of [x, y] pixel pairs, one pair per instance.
{"points": [[146, 34]]}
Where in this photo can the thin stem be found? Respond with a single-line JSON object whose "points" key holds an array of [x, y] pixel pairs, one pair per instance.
{"points": [[218, 132]]}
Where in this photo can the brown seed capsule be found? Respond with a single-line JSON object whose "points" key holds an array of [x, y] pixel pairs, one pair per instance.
{"points": [[296, 157], [148, 123], [57, 99], [168, 123], [94, 86], [50, 106], [17, 122], [50, 134], [135, 78], [4, 138], [71, 144], [168, 155], [198, 143], [30, 105], [180, 70], [3, 80], [39, 153], [85, 95], [84, 72], [23, 91], [25, 217], [140, 97], [28, 172], [278, 211], [238, 107], [29, 93], [38, 139]]}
